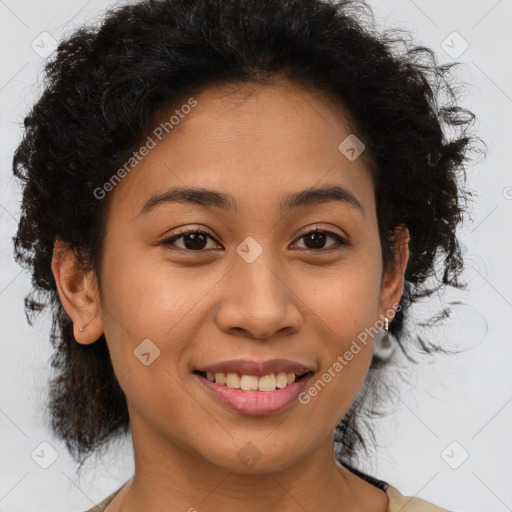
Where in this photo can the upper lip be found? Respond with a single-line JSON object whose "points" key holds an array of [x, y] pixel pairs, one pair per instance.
{"points": [[256, 368]]}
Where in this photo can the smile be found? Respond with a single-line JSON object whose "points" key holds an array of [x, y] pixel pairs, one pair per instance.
{"points": [[253, 382], [253, 395]]}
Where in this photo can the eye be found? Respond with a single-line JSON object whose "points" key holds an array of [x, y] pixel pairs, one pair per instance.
{"points": [[196, 240], [193, 239], [317, 238]]}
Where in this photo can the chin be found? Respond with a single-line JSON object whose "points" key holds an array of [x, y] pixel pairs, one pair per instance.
{"points": [[254, 457]]}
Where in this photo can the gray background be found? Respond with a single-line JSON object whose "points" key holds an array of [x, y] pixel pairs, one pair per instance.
{"points": [[459, 406]]}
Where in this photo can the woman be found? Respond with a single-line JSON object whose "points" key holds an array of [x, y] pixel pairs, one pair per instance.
{"points": [[230, 207]]}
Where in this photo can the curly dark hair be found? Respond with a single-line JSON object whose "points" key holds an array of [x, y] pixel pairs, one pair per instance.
{"points": [[104, 88]]}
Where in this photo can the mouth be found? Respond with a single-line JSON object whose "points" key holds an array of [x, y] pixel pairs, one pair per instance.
{"points": [[244, 382], [254, 388]]}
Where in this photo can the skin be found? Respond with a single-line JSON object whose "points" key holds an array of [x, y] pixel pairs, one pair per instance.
{"points": [[297, 301]]}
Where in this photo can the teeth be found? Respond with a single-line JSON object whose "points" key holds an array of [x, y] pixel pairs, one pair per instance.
{"points": [[267, 382], [251, 382], [281, 380], [232, 380]]}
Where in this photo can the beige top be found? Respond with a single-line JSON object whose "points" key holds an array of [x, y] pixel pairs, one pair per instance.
{"points": [[397, 502]]}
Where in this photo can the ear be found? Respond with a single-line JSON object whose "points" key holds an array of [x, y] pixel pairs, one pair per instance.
{"points": [[392, 285], [78, 292]]}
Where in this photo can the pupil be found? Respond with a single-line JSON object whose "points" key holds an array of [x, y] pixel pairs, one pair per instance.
{"points": [[314, 236], [197, 239]]}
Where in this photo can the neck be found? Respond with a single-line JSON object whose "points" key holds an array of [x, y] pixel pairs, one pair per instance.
{"points": [[175, 479]]}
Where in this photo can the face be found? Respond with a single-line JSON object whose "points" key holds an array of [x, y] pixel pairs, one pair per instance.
{"points": [[250, 282]]}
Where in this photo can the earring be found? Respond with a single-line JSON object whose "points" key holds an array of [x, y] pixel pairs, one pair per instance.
{"points": [[383, 346]]}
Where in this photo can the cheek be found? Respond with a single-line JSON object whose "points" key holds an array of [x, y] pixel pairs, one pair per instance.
{"points": [[149, 319], [344, 306], [344, 298], [149, 299], [137, 288]]}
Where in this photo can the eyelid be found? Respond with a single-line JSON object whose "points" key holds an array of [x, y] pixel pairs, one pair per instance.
{"points": [[341, 239], [322, 229], [185, 231], [192, 228]]}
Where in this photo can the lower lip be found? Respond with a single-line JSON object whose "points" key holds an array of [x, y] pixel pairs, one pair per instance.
{"points": [[256, 403]]}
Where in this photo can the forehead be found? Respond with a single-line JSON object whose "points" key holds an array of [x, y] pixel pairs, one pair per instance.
{"points": [[252, 141], [263, 111]]}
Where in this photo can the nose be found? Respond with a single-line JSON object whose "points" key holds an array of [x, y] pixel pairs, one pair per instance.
{"points": [[258, 301]]}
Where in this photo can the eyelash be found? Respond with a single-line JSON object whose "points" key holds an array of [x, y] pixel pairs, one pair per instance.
{"points": [[338, 238]]}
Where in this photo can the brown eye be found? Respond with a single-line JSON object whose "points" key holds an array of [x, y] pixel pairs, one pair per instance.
{"points": [[193, 240], [315, 240], [196, 241]]}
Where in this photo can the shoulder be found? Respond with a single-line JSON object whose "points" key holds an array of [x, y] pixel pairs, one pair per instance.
{"points": [[100, 507], [399, 502]]}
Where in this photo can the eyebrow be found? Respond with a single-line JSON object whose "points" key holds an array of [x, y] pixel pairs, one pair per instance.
{"points": [[206, 197]]}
